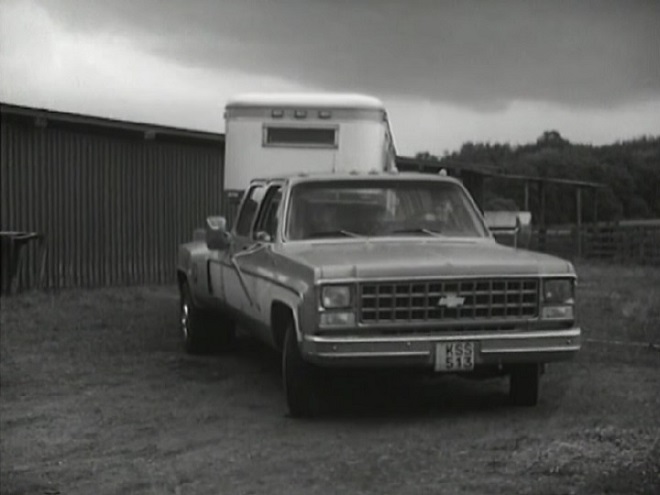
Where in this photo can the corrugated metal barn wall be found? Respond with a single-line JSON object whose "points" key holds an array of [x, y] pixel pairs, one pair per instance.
{"points": [[114, 206]]}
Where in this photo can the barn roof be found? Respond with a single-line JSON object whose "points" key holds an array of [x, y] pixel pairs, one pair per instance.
{"points": [[42, 117]]}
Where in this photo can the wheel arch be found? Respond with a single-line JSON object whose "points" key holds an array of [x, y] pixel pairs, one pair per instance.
{"points": [[281, 315]]}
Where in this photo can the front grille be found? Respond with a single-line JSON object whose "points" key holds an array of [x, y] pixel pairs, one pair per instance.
{"points": [[449, 300]]}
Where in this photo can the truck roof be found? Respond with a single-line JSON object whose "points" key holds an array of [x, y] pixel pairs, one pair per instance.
{"points": [[306, 100], [359, 176]]}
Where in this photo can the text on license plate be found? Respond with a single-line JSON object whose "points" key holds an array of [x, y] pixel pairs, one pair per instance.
{"points": [[454, 356]]}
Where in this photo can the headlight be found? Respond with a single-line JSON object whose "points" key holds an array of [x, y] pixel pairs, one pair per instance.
{"points": [[336, 296], [558, 291]]}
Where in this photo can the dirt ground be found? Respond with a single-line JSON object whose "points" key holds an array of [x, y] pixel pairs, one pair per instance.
{"points": [[98, 397]]}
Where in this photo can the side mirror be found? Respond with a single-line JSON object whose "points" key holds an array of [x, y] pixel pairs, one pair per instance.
{"points": [[262, 236], [217, 236], [510, 227]]}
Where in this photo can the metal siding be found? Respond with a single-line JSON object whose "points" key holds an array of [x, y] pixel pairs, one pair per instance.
{"points": [[113, 208]]}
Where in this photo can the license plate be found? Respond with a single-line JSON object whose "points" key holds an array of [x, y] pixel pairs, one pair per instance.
{"points": [[454, 356]]}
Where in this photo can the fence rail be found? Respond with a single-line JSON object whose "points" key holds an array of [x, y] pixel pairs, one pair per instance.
{"points": [[619, 243], [640, 244]]}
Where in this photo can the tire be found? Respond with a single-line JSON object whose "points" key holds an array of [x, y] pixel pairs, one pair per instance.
{"points": [[524, 385], [301, 380], [203, 331]]}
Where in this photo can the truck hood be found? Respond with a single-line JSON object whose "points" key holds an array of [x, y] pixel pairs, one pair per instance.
{"points": [[421, 258]]}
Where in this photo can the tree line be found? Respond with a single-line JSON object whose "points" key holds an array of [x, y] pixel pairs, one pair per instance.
{"points": [[629, 172]]}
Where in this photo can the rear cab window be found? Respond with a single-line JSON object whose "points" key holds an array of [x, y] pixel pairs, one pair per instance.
{"points": [[249, 210]]}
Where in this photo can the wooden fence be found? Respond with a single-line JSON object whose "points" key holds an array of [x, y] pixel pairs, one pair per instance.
{"points": [[625, 242]]}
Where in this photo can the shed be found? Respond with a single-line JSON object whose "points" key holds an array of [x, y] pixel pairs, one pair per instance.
{"points": [[112, 199]]}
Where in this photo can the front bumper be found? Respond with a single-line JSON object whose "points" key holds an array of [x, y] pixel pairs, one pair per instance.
{"points": [[491, 348]]}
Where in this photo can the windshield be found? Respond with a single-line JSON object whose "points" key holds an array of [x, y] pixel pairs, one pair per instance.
{"points": [[381, 208]]}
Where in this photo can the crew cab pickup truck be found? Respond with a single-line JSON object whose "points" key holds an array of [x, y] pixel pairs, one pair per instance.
{"points": [[375, 270]]}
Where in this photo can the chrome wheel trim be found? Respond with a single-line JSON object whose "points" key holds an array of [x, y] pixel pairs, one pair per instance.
{"points": [[185, 319]]}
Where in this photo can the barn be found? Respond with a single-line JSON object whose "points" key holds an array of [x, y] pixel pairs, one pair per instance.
{"points": [[112, 199]]}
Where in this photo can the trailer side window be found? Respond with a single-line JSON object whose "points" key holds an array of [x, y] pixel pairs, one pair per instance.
{"points": [[249, 210], [315, 137]]}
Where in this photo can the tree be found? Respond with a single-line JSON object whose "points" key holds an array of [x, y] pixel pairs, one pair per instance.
{"points": [[630, 170]]}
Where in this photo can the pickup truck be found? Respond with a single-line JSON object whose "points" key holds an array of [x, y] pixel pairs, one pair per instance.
{"points": [[378, 269]]}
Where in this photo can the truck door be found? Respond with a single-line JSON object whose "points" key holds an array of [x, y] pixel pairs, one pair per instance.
{"points": [[259, 267], [234, 282]]}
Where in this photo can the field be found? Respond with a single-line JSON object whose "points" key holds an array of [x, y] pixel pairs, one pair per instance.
{"points": [[97, 397]]}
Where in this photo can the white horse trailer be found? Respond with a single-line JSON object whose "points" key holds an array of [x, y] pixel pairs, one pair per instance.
{"points": [[275, 134]]}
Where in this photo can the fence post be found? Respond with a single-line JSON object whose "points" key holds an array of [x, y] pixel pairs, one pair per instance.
{"points": [[578, 208]]}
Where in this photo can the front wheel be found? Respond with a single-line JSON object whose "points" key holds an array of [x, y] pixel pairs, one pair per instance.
{"points": [[203, 331], [300, 379], [524, 385]]}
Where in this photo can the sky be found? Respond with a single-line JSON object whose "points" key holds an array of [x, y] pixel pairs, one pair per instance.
{"points": [[448, 71]]}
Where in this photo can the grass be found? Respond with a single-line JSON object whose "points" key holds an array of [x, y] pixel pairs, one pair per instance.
{"points": [[619, 305], [97, 397]]}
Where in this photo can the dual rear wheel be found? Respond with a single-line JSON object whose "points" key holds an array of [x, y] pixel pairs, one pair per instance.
{"points": [[203, 331]]}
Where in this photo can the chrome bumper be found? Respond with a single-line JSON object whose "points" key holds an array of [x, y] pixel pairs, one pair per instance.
{"points": [[419, 350]]}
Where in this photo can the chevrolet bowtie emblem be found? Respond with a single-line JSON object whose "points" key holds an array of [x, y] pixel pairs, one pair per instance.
{"points": [[451, 301]]}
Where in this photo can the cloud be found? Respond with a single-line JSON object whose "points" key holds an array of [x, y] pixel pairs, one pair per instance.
{"points": [[101, 62], [471, 53], [110, 75]]}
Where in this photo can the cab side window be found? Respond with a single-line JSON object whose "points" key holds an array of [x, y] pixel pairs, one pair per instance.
{"points": [[249, 210], [267, 221]]}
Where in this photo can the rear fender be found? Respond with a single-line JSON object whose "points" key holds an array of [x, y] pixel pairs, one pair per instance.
{"points": [[192, 267]]}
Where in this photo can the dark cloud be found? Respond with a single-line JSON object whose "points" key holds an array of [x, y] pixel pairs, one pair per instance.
{"points": [[476, 53]]}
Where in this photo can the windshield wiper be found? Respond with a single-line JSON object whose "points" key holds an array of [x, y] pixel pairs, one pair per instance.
{"points": [[333, 233], [418, 230]]}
